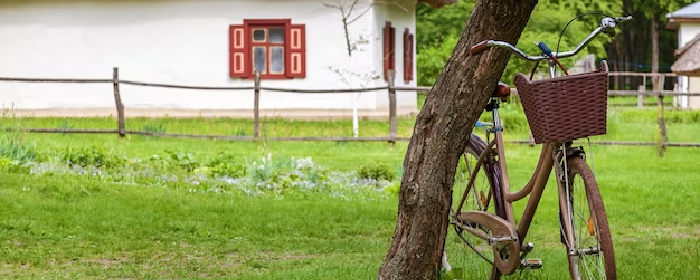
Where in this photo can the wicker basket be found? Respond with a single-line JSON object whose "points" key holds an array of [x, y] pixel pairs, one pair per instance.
{"points": [[565, 108]]}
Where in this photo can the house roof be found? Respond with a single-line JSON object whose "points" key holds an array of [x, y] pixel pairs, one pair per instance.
{"points": [[688, 63], [690, 13]]}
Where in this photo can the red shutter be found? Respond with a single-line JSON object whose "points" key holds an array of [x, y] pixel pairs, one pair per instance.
{"points": [[389, 49], [238, 51], [407, 56], [296, 51]]}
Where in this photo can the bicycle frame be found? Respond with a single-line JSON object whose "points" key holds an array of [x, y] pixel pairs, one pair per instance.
{"points": [[506, 241], [548, 160]]}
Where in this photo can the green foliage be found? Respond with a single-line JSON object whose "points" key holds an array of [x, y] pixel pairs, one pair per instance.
{"points": [[546, 24], [224, 165], [438, 31], [455, 273], [154, 128], [13, 148], [434, 25], [376, 172], [184, 160], [13, 166], [432, 59], [393, 188], [96, 156]]}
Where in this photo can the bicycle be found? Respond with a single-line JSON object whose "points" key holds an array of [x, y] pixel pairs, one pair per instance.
{"points": [[488, 227]]}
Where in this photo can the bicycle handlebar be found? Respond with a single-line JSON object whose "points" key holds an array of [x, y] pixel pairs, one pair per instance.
{"points": [[606, 25]]}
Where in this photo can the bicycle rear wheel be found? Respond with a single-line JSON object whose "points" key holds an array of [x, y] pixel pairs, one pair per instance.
{"points": [[467, 256], [593, 254]]}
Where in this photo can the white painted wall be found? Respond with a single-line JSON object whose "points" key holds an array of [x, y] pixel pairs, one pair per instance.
{"points": [[686, 32], [178, 42], [401, 17]]}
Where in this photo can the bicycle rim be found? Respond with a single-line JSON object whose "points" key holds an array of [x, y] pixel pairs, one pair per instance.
{"points": [[594, 254]]}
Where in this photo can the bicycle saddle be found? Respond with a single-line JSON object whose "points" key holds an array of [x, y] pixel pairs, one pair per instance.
{"points": [[501, 90]]}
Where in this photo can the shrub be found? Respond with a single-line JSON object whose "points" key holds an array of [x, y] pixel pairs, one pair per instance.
{"points": [[376, 171]]}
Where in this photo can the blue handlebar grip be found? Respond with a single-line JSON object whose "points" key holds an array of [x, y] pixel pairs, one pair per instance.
{"points": [[544, 48]]}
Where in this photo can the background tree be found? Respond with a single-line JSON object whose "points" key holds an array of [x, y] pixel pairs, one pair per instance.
{"points": [[437, 30], [440, 135]]}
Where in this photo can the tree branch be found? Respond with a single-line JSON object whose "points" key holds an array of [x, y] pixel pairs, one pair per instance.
{"points": [[361, 14]]}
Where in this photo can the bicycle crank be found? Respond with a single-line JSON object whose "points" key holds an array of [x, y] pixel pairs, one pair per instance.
{"points": [[501, 236]]}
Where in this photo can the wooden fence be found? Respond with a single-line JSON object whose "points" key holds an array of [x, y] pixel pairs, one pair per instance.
{"points": [[257, 87]]}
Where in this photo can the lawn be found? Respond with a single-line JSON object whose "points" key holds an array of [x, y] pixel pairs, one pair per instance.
{"points": [[149, 208]]}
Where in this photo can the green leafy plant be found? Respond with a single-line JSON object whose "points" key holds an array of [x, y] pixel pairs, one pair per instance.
{"points": [[65, 125], [96, 156], [14, 149], [224, 165], [185, 161], [376, 172], [13, 166]]}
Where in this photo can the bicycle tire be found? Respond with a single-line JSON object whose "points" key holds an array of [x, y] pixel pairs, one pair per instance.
{"points": [[578, 166], [474, 148]]}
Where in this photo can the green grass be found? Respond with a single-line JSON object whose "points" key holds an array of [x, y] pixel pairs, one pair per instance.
{"points": [[72, 227], [83, 227]]}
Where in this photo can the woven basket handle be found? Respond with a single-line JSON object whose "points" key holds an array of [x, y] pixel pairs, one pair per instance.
{"points": [[521, 80], [603, 67]]}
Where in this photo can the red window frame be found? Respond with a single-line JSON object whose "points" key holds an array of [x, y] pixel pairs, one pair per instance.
{"points": [[266, 25], [242, 46], [407, 56], [389, 55]]}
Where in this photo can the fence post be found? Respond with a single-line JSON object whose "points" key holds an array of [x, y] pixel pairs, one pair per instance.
{"points": [[256, 106], [675, 97], [392, 108], [640, 98], [118, 102], [662, 123]]}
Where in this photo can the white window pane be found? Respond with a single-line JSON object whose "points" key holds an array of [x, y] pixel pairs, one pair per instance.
{"points": [[277, 60], [277, 35], [258, 35], [259, 59]]}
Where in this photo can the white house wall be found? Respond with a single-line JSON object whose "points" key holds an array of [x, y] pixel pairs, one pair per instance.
{"points": [[177, 42], [401, 17], [687, 32]]}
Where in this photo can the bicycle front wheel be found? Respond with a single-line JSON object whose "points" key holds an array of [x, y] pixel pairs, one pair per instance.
{"points": [[592, 256]]}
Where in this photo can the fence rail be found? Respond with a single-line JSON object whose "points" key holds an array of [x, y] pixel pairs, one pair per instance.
{"points": [[391, 89]]}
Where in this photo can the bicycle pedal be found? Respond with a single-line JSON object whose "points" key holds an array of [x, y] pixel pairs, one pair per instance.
{"points": [[531, 263]]}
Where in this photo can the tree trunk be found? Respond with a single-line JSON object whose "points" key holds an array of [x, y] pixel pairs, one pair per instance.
{"points": [[440, 136]]}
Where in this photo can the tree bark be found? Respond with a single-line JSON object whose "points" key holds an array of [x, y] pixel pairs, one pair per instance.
{"points": [[440, 136]]}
